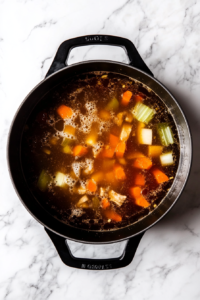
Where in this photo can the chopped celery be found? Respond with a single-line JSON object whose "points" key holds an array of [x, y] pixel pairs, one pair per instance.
{"points": [[67, 149], [165, 134], [142, 112], [112, 105], [66, 142], [166, 159], [43, 181], [95, 202]]}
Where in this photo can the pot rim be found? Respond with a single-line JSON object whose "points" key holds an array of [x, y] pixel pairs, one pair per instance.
{"points": [[131, 235]]}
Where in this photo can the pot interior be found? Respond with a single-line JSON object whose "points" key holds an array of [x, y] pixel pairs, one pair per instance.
{"points": [[31, 103]]}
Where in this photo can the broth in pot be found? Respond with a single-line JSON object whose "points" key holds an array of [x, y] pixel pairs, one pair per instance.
{"points": [[100, 152]]}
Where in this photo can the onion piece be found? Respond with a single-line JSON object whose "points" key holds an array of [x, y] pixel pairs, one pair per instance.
{"points": [[145, 136], [82, 201], [166, 159], [60, 179], [116, 198], [125, 132]]}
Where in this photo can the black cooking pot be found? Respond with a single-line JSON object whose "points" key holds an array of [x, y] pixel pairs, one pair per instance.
{"points": [[58, 231]]}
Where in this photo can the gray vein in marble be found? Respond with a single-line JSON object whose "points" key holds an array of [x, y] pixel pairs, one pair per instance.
{"points": [[41, 25]]}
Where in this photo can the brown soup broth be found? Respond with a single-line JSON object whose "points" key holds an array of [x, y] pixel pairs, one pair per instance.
{"points": [[42, 149]]}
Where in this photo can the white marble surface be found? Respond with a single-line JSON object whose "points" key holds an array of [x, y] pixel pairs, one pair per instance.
{"points": [[167, 35]]}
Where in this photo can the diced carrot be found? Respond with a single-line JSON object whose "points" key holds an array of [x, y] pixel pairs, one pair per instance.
{"points": [[135, 192], [79, 150], [110, 214], [113, 140], [141, 201], [142, 163], [105, 203], [126, 97], [140, 179], [138, 98], [159, 176], [120, 149], [64, 111], [91, 185], [109, 152], [119, 172]]}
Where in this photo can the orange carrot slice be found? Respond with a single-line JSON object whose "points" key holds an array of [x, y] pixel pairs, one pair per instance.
{"points": [[110, 214], [120, 149], [91, 185], [142, 163], [159, 176], [140, 179], [119, 172], [113, 140], [126, 97], [141, 201], [105, 203], [64, 111], [135, 192], [79, 150], [109, 153]]}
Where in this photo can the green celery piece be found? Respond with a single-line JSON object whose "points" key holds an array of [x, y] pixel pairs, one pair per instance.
{"points": [[165, 134], [112, 105], [143, 113], [67, 149], [95, 201], [66, 142], [43, 181]]}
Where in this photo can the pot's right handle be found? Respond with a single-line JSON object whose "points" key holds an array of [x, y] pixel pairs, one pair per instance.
{"points": [[94, 264], [62, 54]]}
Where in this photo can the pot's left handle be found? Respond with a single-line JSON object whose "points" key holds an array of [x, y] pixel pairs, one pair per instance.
{"points": [[64, 49], [94, 264]]}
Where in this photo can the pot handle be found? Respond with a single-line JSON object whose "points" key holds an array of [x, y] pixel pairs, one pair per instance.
{"points": [[64, 49], [94, 264]]}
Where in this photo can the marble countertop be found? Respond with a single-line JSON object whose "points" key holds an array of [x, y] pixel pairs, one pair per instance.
{"points": [[166, 34]]}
